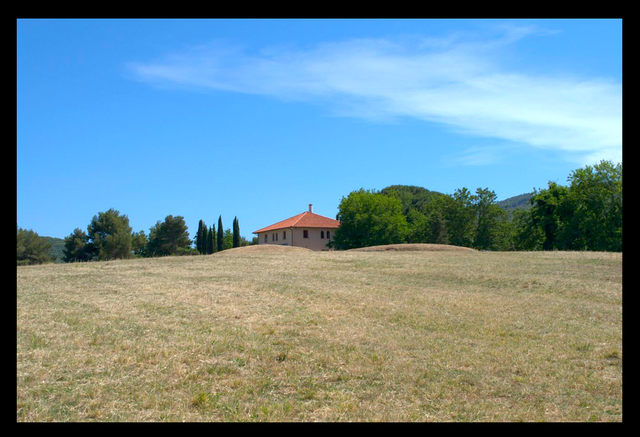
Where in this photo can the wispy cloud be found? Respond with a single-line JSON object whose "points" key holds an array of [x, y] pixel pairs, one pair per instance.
{"points": [[458, 81]]}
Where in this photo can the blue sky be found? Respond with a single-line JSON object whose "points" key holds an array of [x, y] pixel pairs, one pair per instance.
{"points": [[259, 118]]}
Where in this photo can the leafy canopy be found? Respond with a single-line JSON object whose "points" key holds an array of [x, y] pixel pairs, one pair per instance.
{"points": [[369, 218]]}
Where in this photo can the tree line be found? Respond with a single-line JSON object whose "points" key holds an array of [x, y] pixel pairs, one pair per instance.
{"points": [[109, 236], [208, 242], [32, 248], [585, 215]]}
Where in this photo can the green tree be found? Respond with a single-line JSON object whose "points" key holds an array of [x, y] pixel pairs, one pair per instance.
{"points": [[490, 220], [139, 242], [204, 243], [586, 215], [526, 236], [236, 232], [438, 227], [461, 217], [110, 236], [369, 218], [412, 197], [211, 240], [220, 239], [201, 237], [550, 214], [228, 239], [75, 247], [596, 196], [418, 226], [31, 248], [429, 226], [169, 237]]}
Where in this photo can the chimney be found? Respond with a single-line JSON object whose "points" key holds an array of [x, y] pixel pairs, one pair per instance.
{"points": [[310, 207]]}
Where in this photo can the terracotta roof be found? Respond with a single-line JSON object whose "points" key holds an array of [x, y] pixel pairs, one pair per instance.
{"points": [[304, 220]]}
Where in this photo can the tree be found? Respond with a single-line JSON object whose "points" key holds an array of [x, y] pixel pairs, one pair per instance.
{"points": [[220, 235], [211, 240], [204, 240], [418, 226], [586, 215], [429, 226], [201, 238], [596, 195], [228, 239], [490, 218], [526, 236], [75, 247], [550, 214], [236, 232], [461, 217], [169, 237], [411, 197], [109, 236], [438, 227], [369, 218], [139, 242], [31, 248]]}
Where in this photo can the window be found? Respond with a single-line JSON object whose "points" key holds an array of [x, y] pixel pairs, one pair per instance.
{"points": [[284, 235], [328, 234], [276, 236], [321, 234], [265, 238], [273, 237], [305, 234]]}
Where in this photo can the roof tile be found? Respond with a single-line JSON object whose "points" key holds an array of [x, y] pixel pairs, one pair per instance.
{"points": [[304, 220]]}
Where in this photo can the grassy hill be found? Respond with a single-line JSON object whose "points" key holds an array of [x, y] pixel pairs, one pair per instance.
{"points": [[283, 335]]}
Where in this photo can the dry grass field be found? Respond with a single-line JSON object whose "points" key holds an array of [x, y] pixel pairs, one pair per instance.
{"points": [[295, 335]]}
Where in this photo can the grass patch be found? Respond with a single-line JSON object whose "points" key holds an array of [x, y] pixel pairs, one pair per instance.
{"points": [[323, 336]]}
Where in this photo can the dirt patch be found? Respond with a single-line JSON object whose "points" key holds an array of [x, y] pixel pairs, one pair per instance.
{"points": [[264, 248], [417, 247]]}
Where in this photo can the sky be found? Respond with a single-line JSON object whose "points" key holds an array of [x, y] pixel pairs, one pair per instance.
{"points": [[256, 119]]}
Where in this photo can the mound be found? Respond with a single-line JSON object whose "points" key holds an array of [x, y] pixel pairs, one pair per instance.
{"points": [[416, 247], [264, 248]]}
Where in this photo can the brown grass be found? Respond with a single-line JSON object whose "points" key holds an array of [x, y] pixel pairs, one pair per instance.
{"points": [[323, 336], [263, 248], [416, 247]]}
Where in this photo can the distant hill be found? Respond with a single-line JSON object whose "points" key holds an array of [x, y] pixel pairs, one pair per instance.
{"points": [[523, 201], [411, 196], [57, 246], [416, 197]]}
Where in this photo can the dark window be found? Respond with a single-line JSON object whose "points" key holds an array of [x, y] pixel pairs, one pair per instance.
{"points": [[265, 238], [273, 237], [328, 236], [284, 235], [305, 234], [276, 236], [321, 234]]}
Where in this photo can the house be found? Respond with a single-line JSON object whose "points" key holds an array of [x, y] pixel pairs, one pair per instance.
{"points": [[307, 229]]}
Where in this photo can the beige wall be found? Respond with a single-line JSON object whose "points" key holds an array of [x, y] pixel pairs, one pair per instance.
{"points": [[295, 237]]}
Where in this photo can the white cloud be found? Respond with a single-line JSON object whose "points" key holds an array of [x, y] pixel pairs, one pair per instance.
{"points": [[477, 156], [457, 81]]}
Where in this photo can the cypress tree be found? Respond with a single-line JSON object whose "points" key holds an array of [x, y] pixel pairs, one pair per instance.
{"points": [[211, 241], [205, 238], [220, 235], [199, 237], [236, 232]]}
